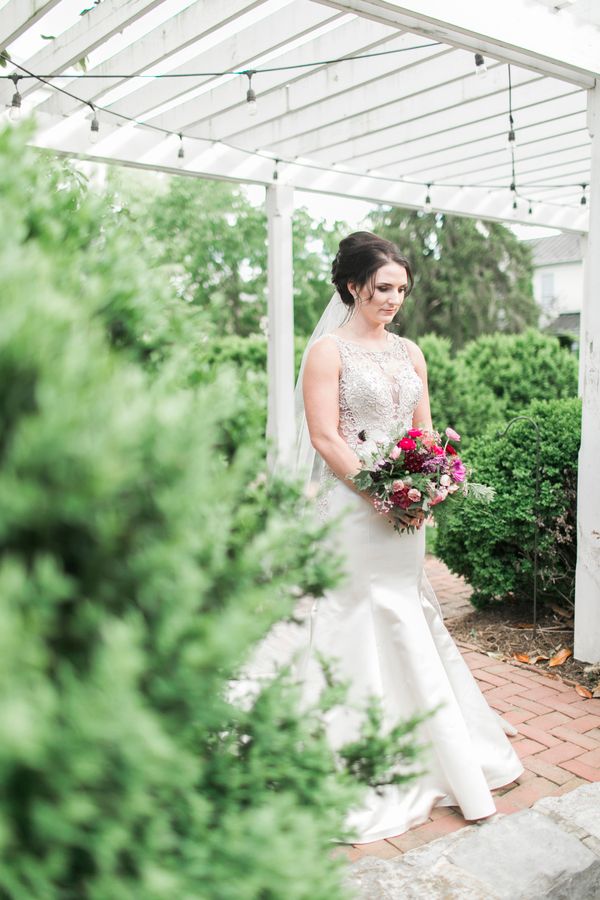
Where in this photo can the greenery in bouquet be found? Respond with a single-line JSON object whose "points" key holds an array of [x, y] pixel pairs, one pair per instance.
{"points": [[418, 471]]}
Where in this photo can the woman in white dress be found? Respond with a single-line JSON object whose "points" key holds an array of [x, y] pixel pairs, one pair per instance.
{"points": [[382, 626]]}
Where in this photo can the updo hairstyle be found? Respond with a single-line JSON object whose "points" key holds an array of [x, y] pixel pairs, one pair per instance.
{"points": [[359, 257]]}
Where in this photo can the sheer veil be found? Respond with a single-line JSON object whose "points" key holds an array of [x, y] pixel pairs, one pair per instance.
{"points": [[308, 464]]}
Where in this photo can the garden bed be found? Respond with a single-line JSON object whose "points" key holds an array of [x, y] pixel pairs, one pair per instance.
{"points": [[505, 630]]}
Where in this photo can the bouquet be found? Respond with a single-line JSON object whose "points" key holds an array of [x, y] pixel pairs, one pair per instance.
{"points": [[419, 470]]}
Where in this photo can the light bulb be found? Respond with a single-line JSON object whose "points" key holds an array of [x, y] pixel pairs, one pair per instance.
{"points": [[180, 152], [480, 66], [94, 130], [14, 113], [251, 102]]}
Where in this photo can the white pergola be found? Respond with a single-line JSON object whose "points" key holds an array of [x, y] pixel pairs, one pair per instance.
{"points": [[404, 117]]}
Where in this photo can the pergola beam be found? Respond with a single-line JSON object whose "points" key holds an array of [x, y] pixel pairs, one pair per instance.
{"points": [[528, 35], [281, 92], [374, 129], [88, 33], [19, 15], [186, 28]]}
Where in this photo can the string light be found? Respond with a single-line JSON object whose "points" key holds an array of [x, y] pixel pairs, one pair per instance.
{"points": [[181, 151], [250, 94], [95, 125], [480, 66], [426, 208], [583, 201], [512, 138], [15, 106], [251, 100]]}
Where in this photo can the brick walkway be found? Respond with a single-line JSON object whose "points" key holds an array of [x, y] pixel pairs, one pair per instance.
{"points": [[559, 732]]}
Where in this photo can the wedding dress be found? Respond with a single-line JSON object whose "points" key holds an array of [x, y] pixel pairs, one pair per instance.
{"points": [[383, 630]]}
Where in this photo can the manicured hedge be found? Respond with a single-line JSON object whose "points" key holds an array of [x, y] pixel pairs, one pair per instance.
{"points": [[492, 546]]}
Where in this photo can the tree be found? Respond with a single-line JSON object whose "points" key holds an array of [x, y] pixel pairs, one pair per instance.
{"points": [[471, 277], [213, 243]]}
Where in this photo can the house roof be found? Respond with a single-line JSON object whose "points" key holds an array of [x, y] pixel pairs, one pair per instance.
{"points": [[560, 248], [565, 323]]}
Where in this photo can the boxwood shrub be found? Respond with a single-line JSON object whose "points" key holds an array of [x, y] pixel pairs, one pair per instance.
{"points": [[492, 546]]}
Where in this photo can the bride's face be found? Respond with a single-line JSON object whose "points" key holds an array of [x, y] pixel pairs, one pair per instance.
{"points": [[389, 287]]}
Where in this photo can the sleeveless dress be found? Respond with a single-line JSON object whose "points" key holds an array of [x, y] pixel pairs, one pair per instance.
{"points": [[382, 628]]}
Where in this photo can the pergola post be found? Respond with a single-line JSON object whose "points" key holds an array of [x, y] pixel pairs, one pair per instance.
{"points": [[280, 356], [587, 582]]}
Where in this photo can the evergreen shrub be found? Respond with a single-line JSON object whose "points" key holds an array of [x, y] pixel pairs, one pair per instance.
{"points": [[142, 555], [519, 368], [492, 545]]}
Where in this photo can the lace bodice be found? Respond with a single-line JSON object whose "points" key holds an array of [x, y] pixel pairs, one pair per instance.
{"points": [[379, 390]]}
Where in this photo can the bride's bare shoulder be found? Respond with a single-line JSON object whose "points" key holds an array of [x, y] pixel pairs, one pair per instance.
{"points": [[324, 354], [414, 351]]}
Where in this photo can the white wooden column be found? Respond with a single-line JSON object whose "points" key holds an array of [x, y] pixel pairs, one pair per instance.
{"points": [[587, 584], [280, 356]]}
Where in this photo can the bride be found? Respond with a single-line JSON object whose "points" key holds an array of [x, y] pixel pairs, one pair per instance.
{"points": [[382, 626]]}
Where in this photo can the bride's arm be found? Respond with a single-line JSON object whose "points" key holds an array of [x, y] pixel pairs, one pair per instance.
{"points": [[320, 386], [422, 413]]}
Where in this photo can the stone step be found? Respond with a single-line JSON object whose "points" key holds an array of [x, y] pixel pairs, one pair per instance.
{"points": [[550, 851]]}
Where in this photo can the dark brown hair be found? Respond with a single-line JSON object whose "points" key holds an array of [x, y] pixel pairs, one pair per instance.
{"points": [[359, 257]]}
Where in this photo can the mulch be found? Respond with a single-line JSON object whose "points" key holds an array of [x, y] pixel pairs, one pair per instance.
{"points": [[505, 630]]}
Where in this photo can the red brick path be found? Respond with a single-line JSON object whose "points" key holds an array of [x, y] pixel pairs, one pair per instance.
{"points": [[558, 741]]}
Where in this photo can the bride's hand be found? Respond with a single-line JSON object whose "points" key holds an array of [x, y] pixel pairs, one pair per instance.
{"points": [[407, 517]]}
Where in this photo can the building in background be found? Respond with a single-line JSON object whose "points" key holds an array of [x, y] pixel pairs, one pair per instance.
{"points": [[558, 284]]}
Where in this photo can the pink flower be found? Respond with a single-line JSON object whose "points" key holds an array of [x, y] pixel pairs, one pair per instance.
{"points": [[414, 495], [445, 480], [451, 433], [439, 451], [397, 486], [415, 432], [450, 450], [440, 495], [407, 444], [458, 470], [395, 452], [452, 489]]}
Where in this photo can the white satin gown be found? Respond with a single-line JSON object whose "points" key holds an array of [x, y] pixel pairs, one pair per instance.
{"points": [[382, 628]]}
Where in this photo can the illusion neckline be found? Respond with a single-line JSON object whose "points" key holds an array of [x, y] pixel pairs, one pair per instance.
{"points": [[389, 349]]}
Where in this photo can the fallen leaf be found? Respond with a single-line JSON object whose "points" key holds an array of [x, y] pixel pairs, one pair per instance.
{"points": [[495, 654], [536, 659], [583, 691], [560, 657], [561, 611], [523, 624], [522, 657]]}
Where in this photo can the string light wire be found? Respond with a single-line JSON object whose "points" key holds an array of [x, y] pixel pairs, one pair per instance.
{"points": [[261, 154]]}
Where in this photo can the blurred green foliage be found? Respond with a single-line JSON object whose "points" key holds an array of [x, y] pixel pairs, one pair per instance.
{"points": [[142, 555], [212, 242]]}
